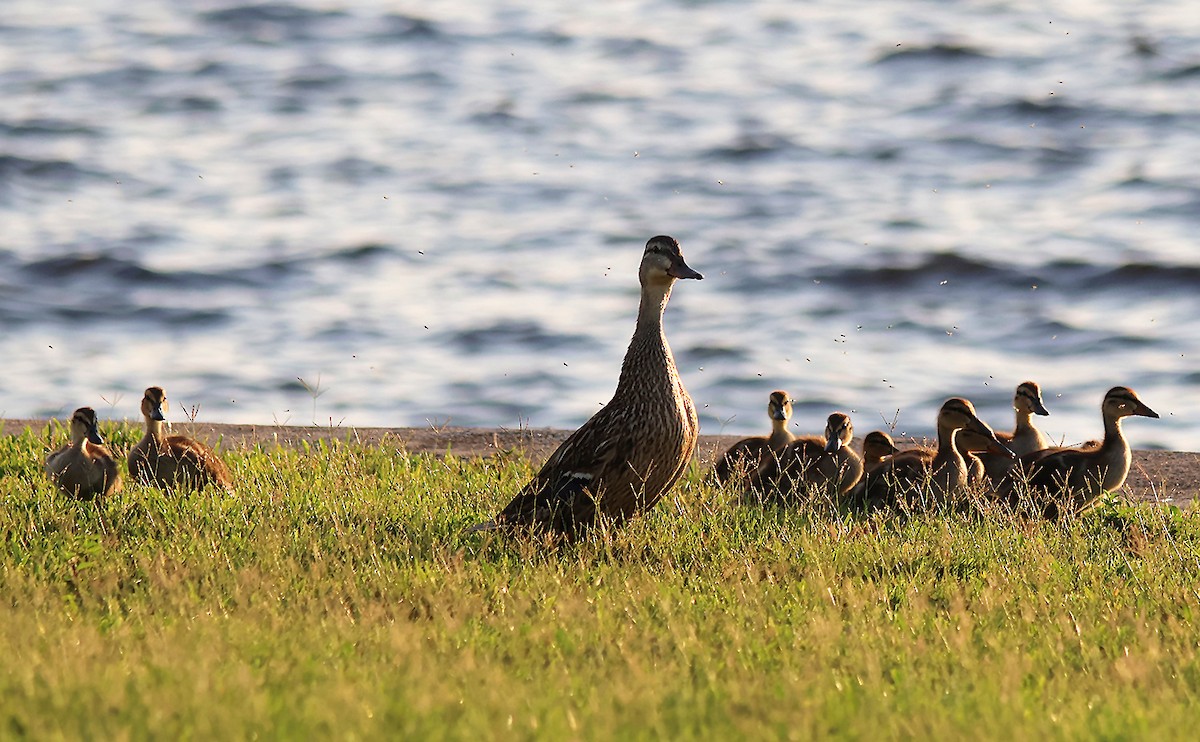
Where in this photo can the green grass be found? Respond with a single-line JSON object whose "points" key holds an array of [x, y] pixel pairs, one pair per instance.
{"points": [[337, 595]]}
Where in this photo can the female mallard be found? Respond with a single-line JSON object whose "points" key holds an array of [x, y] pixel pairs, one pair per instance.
{"points": [[749, 454], [1070, 479], [630, 453], [85, 467], [906, 477], [1025, 438], [825, 462], [173, 461]]}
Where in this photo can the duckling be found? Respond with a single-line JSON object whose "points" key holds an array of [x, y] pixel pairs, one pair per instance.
{"points": [[977, 450], [878, 447], [903, 478], [749, 454], [631, 452], [811, 461], [85, 468], [1025, 438], [1071, 479], [173, 461]]}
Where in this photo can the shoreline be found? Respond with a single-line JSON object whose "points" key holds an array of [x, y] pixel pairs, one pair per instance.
{"points": [[1171, 477]]}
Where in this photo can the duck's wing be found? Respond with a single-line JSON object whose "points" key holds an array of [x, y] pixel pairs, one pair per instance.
{"points": [[110, 471], [561, 494], [895, 476], [1052, 470], [741, 460], [54, 462], [795, 462], [199, 461]]}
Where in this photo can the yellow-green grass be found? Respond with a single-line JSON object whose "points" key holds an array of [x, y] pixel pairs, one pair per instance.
{"points": [[337, 594]]}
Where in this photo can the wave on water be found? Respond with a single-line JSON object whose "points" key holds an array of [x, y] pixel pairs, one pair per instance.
{"points": [[38, 128], [270, 22], [42, 172], [513, 334], [944, 51], [111, 287], [953, 269]]}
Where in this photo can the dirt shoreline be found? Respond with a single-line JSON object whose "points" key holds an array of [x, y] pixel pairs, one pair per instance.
{"points": [[1166, 476]]}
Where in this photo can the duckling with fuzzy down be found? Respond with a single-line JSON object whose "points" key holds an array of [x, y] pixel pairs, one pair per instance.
{"points": [[815, 462], [1055, 481], [620, 462], [84, 468], [1025, 438], [750, 454], [909, 478], [878, 448], [172, 462]]}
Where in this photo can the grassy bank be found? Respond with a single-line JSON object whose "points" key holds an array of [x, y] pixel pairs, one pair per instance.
{"points": [[336, 594]]}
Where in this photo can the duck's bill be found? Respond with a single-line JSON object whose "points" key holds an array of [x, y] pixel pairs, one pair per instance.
{"points": [[1039, 408], [994, 444], [94, 436], [1144, 411], [680, 269], [833, 444], [1000, 449], [156, 413], [777, 414]]}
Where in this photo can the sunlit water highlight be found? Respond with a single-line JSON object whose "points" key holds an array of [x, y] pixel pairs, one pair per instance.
{"points": [[408, 214]]}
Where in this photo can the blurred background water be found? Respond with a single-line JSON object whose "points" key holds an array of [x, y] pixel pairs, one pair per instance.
{"points": [[401, 213]]}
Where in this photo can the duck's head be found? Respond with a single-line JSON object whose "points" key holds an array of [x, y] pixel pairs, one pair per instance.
{"points": [[969, 441], [838, 432], [1121, 401], [663, 263], [153, 403], [878, 444], [779, 406], [1029, 399], [84, 425], [959, 414]]}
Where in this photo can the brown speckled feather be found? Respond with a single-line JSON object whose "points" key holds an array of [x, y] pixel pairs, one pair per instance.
{"points": [[85, 468], [741, 462], [1057, 480], [629, 454], [919, 478], [173, 461]]}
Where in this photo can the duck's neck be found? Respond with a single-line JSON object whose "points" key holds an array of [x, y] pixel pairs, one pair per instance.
{"points": [[1024, 421], [154, 429], [948, 453], [780, 435], [1113, 437], [648, 356]]}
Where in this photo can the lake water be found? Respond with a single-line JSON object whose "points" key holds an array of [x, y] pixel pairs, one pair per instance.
{"points": [[401, 213]]}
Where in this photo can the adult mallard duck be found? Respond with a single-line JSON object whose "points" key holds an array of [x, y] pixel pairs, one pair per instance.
{"points": [[822, 462], [750, 454], [1057, 480], [84, 468], [1025, 438], [173, 461], [909, 478], [631, 452]]}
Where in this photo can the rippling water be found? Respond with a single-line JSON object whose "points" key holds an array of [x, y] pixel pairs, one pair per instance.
{"points": [[390, 213]]}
